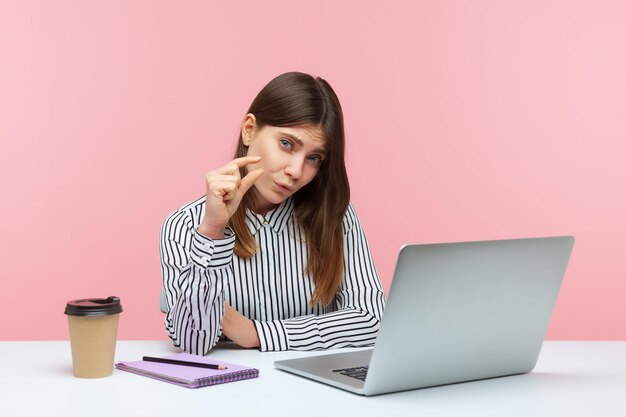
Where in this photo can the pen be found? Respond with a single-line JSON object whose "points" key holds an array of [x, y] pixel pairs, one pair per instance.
{"points": [[184, 363]]}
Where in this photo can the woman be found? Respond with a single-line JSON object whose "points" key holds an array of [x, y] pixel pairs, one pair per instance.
{"points": [[274, 256]]}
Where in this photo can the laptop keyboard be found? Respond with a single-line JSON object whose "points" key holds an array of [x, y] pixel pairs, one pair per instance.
{"points": [[358, 372]]}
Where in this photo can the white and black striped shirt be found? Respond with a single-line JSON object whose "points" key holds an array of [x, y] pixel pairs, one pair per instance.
{"points": [[200, 274]]}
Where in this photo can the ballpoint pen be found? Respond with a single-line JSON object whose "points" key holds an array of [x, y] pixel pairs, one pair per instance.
{"points": [[184, 363]]}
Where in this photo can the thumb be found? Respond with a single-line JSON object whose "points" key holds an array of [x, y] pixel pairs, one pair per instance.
{"points": [[249, 180]]}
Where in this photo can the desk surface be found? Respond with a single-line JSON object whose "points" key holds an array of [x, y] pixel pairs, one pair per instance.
{"points": [[571, 379]]}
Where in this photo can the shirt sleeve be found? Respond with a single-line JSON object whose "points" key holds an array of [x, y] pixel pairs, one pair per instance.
{"points": [[359, 302], [195, 271]]}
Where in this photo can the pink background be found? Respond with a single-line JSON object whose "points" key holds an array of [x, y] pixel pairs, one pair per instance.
{"points": [[465, 120]]}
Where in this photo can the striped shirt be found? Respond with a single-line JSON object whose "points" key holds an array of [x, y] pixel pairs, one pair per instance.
{"points": [[201, 274]]}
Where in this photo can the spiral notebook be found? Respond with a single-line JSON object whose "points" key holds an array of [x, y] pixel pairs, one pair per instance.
{"points": [[188, 376]]}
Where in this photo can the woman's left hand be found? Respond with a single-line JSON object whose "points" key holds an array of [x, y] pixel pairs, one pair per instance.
{"points": [[239, 328]]}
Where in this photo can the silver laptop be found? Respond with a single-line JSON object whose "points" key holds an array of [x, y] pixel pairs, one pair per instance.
{"points": [[456, 312]]}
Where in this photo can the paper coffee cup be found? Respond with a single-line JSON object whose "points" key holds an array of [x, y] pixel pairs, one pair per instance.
{"points": [[93, 333]]}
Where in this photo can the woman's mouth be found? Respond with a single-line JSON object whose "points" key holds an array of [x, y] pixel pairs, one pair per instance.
{"points": [[284, 188]]}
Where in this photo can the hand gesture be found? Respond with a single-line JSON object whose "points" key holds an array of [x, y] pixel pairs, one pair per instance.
{"points": [[224, 190]]}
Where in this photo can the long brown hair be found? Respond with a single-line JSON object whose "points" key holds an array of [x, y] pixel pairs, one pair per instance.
{"points": [[296, 99]]}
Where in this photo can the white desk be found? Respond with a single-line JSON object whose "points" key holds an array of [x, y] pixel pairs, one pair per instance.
{"points": [[571, 379]]}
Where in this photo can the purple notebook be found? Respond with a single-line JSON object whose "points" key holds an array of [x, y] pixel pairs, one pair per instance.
{"points": [[189, 376]]}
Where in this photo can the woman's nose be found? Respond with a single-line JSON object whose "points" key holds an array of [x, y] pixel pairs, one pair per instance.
{"points": [[294, 167]]}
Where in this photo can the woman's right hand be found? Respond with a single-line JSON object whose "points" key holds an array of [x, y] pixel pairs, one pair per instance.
{"points": [[224, 190]]}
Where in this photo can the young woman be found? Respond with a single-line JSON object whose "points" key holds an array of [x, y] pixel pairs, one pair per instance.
{"points": [[274, 256]]}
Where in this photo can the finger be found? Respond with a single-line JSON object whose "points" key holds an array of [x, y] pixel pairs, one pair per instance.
{"points": [[225, 189], [215, 182], [249, 180], [232, 168], [246, 160], [235, 164], [219, 178], [229, 169]]}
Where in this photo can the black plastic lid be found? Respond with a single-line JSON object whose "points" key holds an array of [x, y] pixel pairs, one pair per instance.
{"points": [[94, 307]]}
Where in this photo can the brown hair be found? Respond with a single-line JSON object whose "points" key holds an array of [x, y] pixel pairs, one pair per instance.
{"points": [[296, 99]]}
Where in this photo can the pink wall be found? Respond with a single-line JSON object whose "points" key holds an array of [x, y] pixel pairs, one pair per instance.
{"points": [[465, 120]]}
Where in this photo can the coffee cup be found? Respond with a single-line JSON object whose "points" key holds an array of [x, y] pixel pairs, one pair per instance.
{"points": [[93, 334]]}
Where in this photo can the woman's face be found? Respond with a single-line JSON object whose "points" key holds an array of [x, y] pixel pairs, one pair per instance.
{"points": [[290, 158]]}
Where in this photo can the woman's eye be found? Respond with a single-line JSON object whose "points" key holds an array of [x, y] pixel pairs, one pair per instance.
{"points": [[315, 159], [285, 144]]}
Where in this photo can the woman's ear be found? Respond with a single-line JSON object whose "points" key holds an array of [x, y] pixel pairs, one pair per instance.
{"points": [[248, 129]]}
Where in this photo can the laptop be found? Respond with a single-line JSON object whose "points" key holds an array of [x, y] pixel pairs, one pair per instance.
{"points": [[456, 312]]}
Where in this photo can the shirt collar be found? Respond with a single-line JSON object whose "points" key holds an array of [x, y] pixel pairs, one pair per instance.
{"points": [[276, 218]]}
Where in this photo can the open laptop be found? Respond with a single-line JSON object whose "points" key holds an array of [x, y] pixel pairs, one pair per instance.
{"points": [[456, 312]]}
